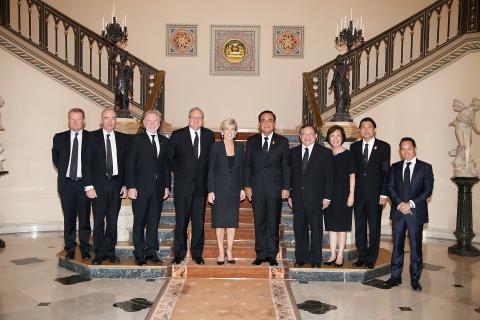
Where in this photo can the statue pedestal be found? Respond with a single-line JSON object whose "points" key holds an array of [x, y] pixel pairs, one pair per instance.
{"points": [[2, 243], [127, 125], [351, 130], [464, 231], [125, 220]]}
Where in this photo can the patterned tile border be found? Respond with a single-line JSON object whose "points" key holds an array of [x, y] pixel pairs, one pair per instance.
{"points": [[181, 40], [288, 41]]}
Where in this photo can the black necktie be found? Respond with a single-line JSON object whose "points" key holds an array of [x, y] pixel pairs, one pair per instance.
{"points": [[265, 144], [195, 145], [154, 145], [74, 159], [365, 153], [406, 183], [109, 157], [305, 160]]}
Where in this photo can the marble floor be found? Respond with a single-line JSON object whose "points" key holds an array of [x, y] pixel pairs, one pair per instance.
{"points": [[32, 286]]}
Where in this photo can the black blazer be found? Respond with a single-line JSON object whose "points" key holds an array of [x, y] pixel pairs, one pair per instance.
{"points": [[371, 179], [61, 154], [190, 173], [267, 172], [96, 159], [222, 180], [145, 171], [421, 187], [309, 189]]}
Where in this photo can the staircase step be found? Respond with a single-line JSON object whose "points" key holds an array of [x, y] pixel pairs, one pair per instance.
{"points": [[241, 269], [241, 249]]}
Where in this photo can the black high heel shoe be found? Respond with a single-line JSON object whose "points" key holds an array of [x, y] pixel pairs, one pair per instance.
{"points": [[338, 265], [229, 261], [220, 262], [329, 263]]}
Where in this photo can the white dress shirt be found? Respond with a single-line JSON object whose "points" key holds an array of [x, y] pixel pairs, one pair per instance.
{"points": [[157, 142], [192, 137], [370, 146], [310, 148], [79, 164], [114, 150], [269, 141]]}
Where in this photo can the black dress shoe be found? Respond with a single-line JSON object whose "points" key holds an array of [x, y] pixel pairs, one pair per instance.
{"points": [[273, 262], [140, 261], [358, 264], [70, 255], [97, 260], [315, 265], [257, 262], [198, 260], [86, 256], [416, 286], [392, 282], [177, 260], [370, 265], [299, 264], [153, 257], [114, 259]]}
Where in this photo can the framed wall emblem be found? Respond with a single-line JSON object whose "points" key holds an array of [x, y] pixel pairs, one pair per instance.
{"points": [[288, 41], [181, 40], [234, 50]]}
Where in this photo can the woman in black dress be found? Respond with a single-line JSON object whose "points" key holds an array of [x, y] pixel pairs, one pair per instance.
{"points": [[338, 219], [225, 187]]}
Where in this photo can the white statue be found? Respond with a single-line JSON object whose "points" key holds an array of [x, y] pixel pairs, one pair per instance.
{"points": [[2, 158], [2, 102], [464, 164]]}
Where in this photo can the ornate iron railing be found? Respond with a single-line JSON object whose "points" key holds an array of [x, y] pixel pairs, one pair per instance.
{"points": [[394, 50], [81, 49]]}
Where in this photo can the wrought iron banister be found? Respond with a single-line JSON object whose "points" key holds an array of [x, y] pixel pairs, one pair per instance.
{"points": [[312, 116], [395, 49], [80, 48]]}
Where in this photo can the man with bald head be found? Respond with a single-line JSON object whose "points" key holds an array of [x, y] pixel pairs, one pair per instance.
{"points": [[105, 185]]}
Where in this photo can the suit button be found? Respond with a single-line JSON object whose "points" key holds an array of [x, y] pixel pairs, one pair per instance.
{"points": [[364, 174], [303, 188]]}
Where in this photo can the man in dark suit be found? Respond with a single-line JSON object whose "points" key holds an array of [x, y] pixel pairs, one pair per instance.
{"points": [[409, 185], [104, 180], [311, 168], [267, 182], [372, 158], [68, 156], [148, 183], [188, 157]]}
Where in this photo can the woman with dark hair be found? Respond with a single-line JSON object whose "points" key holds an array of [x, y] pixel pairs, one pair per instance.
{"points": [[338, 218]]}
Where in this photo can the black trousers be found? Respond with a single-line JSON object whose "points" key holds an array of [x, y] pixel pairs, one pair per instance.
{"points": [[367, 212], [186, 209], [105, 209], [415, 234], [75, 204], [266, 215], [146, 215], [308, 248]]}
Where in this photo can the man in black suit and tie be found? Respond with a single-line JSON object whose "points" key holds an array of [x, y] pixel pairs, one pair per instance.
{"points": [[104, 180], [188, 157], [68, 156], [148, 183], [267, 182], [311, 168], [409, 185], [372, 158]]}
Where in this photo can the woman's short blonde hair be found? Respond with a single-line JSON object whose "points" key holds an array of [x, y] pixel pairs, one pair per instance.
{"points": [[228, 122]]}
